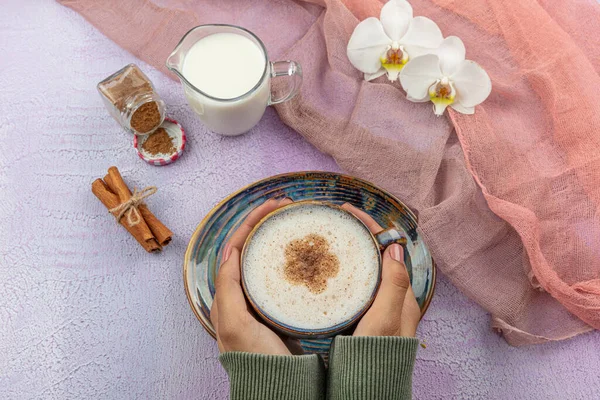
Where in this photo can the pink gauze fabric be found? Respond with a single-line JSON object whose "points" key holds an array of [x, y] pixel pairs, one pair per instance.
{"points": [[508, 199]]}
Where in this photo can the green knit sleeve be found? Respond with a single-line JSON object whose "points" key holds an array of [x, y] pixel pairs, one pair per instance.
{"points": [[376, 367], [265, 377]]}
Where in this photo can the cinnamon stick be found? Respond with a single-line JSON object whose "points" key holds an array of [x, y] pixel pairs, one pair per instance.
{"points": [[162, 234], [160, 231], [115, 182], [140, 232]]}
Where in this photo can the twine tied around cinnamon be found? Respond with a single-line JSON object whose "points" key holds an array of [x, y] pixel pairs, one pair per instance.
{"points": [[137, 198]]}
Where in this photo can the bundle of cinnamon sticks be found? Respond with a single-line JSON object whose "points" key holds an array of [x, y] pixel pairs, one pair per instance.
{"points": [[146, 228]]}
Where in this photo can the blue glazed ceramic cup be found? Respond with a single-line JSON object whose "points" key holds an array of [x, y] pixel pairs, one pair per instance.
{"points": [[381, 239]]}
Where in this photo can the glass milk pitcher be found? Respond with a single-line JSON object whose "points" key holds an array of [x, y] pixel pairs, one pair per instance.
{"points": [[234, 116]]}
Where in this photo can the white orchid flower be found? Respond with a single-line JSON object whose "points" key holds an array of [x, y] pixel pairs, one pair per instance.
{"points": [[386, 45], [446, 78]]}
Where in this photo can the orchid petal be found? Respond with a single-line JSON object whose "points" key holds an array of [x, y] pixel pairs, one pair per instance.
{"points": [[462, 109], [370, 77], [393, 70], [414, 100], [367, 43], [419, 74], [439, 106], [451, 53], [472, 83], [422, 32], [395, 17], [418, 51]]}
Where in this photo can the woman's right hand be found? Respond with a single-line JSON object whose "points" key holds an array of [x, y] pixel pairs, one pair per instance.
{"points": [[395, 311], [236, 326]]}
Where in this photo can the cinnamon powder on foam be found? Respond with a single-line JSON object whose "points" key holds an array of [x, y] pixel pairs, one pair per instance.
{"points": [[309, 262]]}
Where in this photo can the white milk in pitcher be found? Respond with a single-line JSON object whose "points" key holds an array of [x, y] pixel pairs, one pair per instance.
{"points": [[226, 66]]}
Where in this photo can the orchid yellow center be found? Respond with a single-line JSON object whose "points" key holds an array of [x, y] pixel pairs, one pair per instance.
{"points": [[393, 56], [442, 94], [393, 60]]}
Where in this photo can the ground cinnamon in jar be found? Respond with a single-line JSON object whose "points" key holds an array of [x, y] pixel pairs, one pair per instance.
{"points": [[146, 118], [159, 142]]}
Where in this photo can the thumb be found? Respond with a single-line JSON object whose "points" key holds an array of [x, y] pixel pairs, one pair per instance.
{"points": [[394, 281], [230, 264], [228, 286]]}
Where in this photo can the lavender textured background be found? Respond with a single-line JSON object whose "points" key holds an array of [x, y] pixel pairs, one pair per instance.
{"points": [[85, 313]]}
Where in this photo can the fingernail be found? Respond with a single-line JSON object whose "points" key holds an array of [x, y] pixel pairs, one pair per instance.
{"points": [[226, 253], [396, 252]]}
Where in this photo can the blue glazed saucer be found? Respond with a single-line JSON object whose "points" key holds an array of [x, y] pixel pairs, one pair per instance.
{"points": [[203, 253]]}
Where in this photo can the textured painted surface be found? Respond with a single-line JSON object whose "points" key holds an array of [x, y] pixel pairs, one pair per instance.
{"points": [[84, 313]]}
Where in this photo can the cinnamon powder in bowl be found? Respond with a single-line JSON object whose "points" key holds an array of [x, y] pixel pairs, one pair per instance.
{"points": [[159, 142], [163, 146]]}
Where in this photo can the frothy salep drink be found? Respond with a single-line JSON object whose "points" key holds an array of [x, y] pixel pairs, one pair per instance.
{"points": [[311, 266]]}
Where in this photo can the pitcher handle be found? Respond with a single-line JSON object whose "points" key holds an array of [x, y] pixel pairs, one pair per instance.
{"points": [[293, 71]]}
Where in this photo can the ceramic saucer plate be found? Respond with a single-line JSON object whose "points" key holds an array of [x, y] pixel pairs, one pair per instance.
{"points": [[204, 249]]}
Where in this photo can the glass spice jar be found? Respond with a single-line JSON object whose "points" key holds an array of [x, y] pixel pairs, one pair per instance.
{"points": [[131, 99]]}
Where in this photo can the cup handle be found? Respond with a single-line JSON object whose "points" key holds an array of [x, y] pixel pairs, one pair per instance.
{"points": [[389, 236], [290, 69]]}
